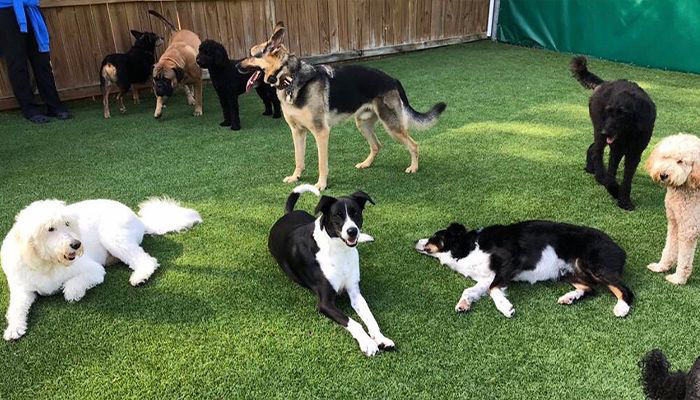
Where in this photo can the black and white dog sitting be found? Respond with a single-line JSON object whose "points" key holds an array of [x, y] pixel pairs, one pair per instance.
{"points": [[320, 254], [661, 384], [530, 251], [230, 83]]}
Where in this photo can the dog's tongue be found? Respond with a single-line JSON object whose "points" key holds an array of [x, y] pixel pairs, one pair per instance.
{"points": [[252, 80], [610, 140]]}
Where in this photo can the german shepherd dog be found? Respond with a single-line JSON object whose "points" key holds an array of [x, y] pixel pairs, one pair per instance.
{"points": [[316, 98]]}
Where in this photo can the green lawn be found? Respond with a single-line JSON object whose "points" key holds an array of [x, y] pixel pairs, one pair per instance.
{"points": [[220, 320]]}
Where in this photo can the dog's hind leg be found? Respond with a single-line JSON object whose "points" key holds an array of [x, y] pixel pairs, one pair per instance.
{"points": [[198, 92], [132, 254], [189, 93], [631, 163], [120, 100], [360, 306], [624, 297], [580, 291], [299, 138], [471, 295], [390, 111], [322, 135], [366, 127], [105, 100], [135, 94], [17, 312]]}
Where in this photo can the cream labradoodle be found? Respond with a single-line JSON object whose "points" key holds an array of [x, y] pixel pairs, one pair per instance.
{"points": [[57, 247], [675, 163]]}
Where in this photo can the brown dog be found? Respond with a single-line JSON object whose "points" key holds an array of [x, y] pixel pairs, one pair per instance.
{"points": [[178, 65], [316, 97]]}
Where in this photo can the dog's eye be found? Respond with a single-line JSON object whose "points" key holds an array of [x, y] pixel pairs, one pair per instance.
{"points": [[51, 229], [679, 162], [67, 224]]}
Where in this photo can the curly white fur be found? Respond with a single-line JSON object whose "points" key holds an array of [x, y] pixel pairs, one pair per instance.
{"points": [[675, 163], [54, 246]]}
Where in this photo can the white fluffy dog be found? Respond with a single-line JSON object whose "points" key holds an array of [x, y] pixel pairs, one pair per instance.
{"points": [[675, 163], [54, 246]]}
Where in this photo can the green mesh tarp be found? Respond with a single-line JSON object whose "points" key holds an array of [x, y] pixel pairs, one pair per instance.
{"points": [[653, 33]]}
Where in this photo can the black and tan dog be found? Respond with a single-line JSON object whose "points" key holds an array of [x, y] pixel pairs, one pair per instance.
{"points": [[125, 69], [178, 65], [316, 98]]}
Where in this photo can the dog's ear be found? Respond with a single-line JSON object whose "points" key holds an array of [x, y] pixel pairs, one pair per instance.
{"points": [[179, 74], [157, 70], [456, 230], [649, 164], [136, 34], [277, 36], [694, 177], [361, 198], [324, 204]]}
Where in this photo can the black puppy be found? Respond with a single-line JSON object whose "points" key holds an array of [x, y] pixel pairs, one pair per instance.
{"points": [[320, 255], [660, 384], [125, 69], [231, 83], [623, 117]]}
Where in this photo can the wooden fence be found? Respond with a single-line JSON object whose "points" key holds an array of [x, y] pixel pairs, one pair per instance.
{"points": [[84, 31]]}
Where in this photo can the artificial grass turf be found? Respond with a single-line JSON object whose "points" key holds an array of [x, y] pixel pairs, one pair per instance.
{"points": [[220, 320]]}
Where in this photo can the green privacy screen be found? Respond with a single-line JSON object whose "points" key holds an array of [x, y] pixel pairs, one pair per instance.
{"points": [[653, 33]]}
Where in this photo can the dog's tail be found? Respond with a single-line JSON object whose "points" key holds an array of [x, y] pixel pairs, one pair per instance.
{"points": [[108, 72], [294, 196], [161, 215], [162, 18], [579, 69], [657, 381], [417, 119]]}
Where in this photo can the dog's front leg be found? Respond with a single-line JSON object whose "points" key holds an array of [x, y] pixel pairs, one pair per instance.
{"points": [[471, 295], [105, 100], [623, 200], [159, 107], [686, 253], [299, 138], [327, 307], [198, 98], [225, 109], [670, 253], [360, 306], [89, 275], [20, 302], [501, 301], [321, 137], [234, 113]]}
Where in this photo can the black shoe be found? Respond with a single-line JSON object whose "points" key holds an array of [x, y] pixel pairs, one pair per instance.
{"points": [[63, 115], [39, 119]]}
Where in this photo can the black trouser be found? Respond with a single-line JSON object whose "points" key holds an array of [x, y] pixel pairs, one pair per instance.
{"points": [[17, 47]]}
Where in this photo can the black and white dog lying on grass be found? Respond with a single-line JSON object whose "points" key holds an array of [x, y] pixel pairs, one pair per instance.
{"points": [[530, 251], [320, 254]]}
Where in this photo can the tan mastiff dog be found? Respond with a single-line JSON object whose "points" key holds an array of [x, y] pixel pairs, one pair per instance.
{"points": [[178, 65]]}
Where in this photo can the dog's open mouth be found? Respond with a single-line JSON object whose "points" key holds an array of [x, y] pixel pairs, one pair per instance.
{"points": [[610, 139], [350, 242], [70, 256], [252, 80]]}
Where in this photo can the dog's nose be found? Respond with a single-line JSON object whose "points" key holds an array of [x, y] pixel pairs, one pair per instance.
{"points": [[352, 232], [272, 80], [75, 245], [663, 177]]}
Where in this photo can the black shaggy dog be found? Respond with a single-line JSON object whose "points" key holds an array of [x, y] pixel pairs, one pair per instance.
{"points": [[231, 83], [660, 384], [125, 69], [623, 117]]}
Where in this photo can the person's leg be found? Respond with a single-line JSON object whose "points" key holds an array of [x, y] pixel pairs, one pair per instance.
{"points": [[14, 46], [43, 73]]}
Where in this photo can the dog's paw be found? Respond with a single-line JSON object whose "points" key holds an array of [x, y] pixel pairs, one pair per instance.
{"points": [[657, 267], [73, 292], [190, 100], [625, 205], [676, 279], [621, 309], [290, 179], [321, 186], [412, 169], [122, 110], [235, 127], [368, 346], [14, 332], [225, 123], [140, 276], [364, 164], [197, 113], [384, 343], [463, 306], [107, 115], [157, 115], [505, 308]]}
